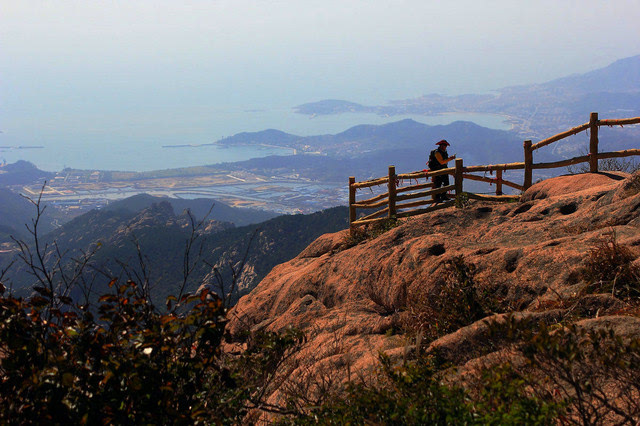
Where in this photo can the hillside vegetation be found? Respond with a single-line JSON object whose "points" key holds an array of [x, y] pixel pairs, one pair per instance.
{"points": [[151, 243], [201, 208], [15, 213]]}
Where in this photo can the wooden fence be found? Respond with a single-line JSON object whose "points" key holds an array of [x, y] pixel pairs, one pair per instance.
{"points": [[404, 201]]}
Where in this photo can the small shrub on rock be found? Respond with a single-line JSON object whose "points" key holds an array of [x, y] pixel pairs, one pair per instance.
{"points": [[591, 371], [608, 165], [415, 393], [455, 303], [369, 232], [609, 268]]}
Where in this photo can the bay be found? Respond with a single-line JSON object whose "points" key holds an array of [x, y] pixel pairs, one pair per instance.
{"points": [[141, 141]]}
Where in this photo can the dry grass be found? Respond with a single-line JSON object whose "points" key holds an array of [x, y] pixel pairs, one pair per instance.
{"points": [[609, 268]]}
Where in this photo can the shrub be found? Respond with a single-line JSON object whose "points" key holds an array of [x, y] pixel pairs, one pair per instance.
{"points": [[565, 375], [462, 200], [504, 397], [608, 165], [369, 232], [387, 301], [414, 393], [609, 268], [592, 372], [127, 363], [455, 303]]}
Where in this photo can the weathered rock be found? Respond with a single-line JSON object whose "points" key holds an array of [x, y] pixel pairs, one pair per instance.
{"points": [[475, 340], [530, 255], [570, 184]]}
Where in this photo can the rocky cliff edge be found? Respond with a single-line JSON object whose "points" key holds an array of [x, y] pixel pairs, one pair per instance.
{"points": [[351, 301]]}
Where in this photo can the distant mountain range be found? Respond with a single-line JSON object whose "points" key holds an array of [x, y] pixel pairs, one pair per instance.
{"points": [[367, 150], [621, 76], [536, 110]]}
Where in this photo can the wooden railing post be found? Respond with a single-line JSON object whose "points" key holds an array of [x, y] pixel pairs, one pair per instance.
{"points": [[458, 176], [499, 182], [528, 164], [593, 143], [352, 201], [392, 191]]}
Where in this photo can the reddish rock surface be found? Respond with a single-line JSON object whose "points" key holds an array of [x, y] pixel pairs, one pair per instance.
{"points": [[529, 254]]}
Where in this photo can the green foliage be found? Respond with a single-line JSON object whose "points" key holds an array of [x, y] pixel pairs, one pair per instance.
{"points": [[505, 398], [593, 372], [415, 393], [462, 200], [567, 375], [127, 363], [369, 232]]}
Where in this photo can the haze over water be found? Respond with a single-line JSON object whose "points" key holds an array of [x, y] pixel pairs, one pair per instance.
{"points": [[106, 84], [133, 147]]}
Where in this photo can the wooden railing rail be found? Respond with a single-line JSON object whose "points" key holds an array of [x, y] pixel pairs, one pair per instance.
{"points": [[498, 181], [391, 200], [368, 183], [415, 175], [494, 167], [371, 201], [414, 187], [619, 122], [560, 136]]}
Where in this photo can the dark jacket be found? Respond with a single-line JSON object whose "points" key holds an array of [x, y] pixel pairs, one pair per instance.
{"points": [[433, 163]]}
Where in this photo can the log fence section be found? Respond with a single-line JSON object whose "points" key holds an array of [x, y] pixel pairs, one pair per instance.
{"points": [[593, 143], [528, 164], [392, 207], [498, 183], [352, 199], [391, 184]]}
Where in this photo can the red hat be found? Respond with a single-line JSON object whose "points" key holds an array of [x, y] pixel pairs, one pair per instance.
{"points": [[443, 142]]}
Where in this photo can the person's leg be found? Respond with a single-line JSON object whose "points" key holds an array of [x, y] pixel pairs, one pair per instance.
{"points": [[445, 182]]}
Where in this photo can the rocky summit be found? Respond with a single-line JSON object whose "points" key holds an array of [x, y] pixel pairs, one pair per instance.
{"points": [[353, 299]]}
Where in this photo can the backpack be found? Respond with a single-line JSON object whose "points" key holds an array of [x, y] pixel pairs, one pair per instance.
{"points": [[433, 163]]}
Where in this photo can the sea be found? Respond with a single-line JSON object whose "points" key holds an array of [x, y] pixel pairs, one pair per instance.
{"points": [[142, 143]]}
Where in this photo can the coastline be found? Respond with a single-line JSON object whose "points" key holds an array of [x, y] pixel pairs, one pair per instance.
{"points": [[260, 144], [22, 147], [141, 156]]}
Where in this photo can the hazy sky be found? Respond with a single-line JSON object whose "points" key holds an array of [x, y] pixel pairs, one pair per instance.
{"points": [[300, 50], [73, 63]]}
